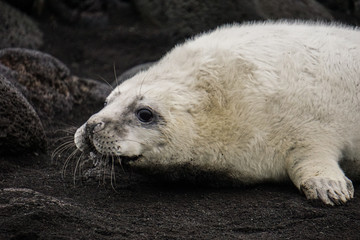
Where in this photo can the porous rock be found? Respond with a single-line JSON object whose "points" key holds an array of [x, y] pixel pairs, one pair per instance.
{"points": [[20, 127], [43, 78], [17, 29], [47, 84], [183, 18], [336, 5], [292, 9], [88, 13], [357, 9], [88, 93]]}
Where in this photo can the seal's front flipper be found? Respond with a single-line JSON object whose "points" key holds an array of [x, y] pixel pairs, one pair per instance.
{"points": [[318, 175], [328, 190]]}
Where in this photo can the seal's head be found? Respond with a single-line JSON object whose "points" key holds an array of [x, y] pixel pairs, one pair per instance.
{"points": [[177, 113], [147, 119]]}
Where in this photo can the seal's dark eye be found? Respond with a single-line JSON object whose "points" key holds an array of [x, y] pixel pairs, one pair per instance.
{"points": [[145, 115], [105, 103]]}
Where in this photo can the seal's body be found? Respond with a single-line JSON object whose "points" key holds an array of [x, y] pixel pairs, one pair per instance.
{"points": [[254, 102]]}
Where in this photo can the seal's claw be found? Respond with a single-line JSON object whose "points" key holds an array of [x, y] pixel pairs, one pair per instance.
{"points": [[331, 192]]}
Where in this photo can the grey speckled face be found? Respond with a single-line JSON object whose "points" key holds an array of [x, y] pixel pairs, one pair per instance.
{"points": [[124, 127]]}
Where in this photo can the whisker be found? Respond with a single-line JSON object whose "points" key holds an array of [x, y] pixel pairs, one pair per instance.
{"points": [[70, 132], [67, 139], [103, 79], [116, 79], [76, 167], [147, 91], [70, 124], [60, 139], [142, 69], [62, 143], [104, 159], [112, 174], [141, 85], [120, 163], [69, 129], [66, 163], [62, 148]]}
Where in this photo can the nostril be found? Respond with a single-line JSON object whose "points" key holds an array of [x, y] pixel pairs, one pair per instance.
{"points": [[92, 128], [98, 127]]}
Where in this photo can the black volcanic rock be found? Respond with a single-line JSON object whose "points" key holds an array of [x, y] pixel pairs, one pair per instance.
{"points": [[20, 127]]}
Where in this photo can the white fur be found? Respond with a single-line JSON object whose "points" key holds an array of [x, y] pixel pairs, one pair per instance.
{"points": [[261, 101]]}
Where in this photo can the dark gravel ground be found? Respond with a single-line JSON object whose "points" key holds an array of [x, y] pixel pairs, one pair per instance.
{"points": [[137, 207]]}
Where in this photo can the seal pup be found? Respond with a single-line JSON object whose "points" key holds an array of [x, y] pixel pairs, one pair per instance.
{"points": [[254, 102]]}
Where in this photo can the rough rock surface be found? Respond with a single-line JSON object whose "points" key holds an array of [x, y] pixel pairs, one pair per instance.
{"points": [[37, 86], [357, 9], [17, 29], [43, 77], [339, 5], [343, 11], [86, 92], [47, 84], [90, 13], [184, 18], [20, 126], [287, 9]]}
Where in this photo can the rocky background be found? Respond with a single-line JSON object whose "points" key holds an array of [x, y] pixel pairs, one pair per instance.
{"points": [[58, 61]]}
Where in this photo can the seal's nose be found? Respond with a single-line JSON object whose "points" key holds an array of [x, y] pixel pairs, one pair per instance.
{"points": [[92, 128]]}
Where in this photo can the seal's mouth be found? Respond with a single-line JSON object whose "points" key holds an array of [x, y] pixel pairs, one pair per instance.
{"points": [[127, 159], [124, 159]]}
